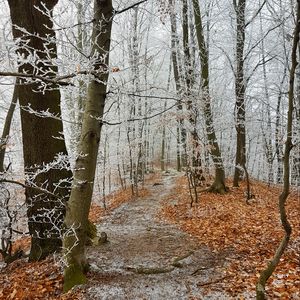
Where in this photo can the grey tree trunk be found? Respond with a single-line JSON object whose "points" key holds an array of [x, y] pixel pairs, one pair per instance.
{"points": [[240, 110], [40, 146], [76, 220], [7, 125]]}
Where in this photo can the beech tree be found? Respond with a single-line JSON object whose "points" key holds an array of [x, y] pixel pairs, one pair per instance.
{"points": [[78, 207], [43, 142], [240, 110], [219, 181]]}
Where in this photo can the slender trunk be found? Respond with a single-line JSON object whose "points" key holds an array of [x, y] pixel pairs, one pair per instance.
{"points": [[7, 125], [278, 133], [268, 132], [181, 131], [76, 220], [163, 145], [219, 181], [268, 271], [240, 113], [295, 173]]}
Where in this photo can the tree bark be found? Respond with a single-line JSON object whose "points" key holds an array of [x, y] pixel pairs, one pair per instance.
{"points": [[76, 220], [218, 185], [268, 271], [181, 131], [40, 143], [240, 112], [7, 125]]}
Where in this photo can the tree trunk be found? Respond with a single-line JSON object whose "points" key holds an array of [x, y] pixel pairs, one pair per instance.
{"points": [[192, 109], [268, 271], [278, 133], [80, 200], [40, 143], [181, 131], [7, 125], [218, 185], [240, 113]]}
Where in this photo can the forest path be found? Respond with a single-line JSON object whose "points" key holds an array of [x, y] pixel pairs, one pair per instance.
{"points": [[147, 258]]}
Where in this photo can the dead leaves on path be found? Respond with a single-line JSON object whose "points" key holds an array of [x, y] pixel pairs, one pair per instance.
{"points": [[21, 280], [252, 232]]}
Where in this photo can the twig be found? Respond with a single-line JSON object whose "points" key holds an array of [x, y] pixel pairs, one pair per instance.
{"points": [[35, 188], [201, 269], [117, 12]]}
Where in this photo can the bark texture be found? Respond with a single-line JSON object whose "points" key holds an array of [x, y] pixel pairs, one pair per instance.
{"points": [[240, 112], [76, 220], [219, 182], [32, 27], [7, 125]]}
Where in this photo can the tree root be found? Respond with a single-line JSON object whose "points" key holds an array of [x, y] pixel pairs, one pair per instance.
{"points": [[201, 269], [148, 271], [216, 188], [176, 262]]}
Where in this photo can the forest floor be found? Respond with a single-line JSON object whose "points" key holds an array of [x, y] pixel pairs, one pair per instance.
{"points": [[161, 248]]}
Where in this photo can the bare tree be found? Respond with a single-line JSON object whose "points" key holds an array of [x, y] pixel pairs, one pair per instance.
{"points": [[268, 271], [7, 125], [85, 165], [219, 181]]}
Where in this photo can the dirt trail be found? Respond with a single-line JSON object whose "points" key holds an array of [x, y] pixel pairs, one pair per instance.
{"points": [[138, 262]]}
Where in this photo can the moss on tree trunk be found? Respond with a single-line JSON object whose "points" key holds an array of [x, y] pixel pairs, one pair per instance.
{"points": [[76, 221]]}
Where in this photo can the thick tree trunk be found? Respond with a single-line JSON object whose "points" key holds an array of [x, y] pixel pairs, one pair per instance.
{"points": [[240, 113], [76, 220], [268, 271], [40, 143], [218, 185], [7, 125]]}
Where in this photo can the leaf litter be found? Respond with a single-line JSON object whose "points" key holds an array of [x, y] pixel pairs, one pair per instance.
{"points": [[159, 248]]}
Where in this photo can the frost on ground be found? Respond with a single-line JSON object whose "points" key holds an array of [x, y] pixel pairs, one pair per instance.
{"points": [[148, 259]]}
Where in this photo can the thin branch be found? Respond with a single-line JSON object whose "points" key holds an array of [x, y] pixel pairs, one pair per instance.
{"points": [[138, 119], [259, 41], [35, 188], [144, 96], [256, 14], [55, 80], [77, 24], [260, 63], [117, 12], [39, 77]]}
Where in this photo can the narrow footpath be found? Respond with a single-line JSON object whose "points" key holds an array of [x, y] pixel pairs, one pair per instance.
{"points": [[147, 258]]}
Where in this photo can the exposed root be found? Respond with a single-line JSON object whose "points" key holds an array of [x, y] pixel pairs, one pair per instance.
{"points": [[176, 262], [148, 271]]}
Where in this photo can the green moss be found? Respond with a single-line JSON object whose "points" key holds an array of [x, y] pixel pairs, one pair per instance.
{"points": [[91, 230], [73, 276]]}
